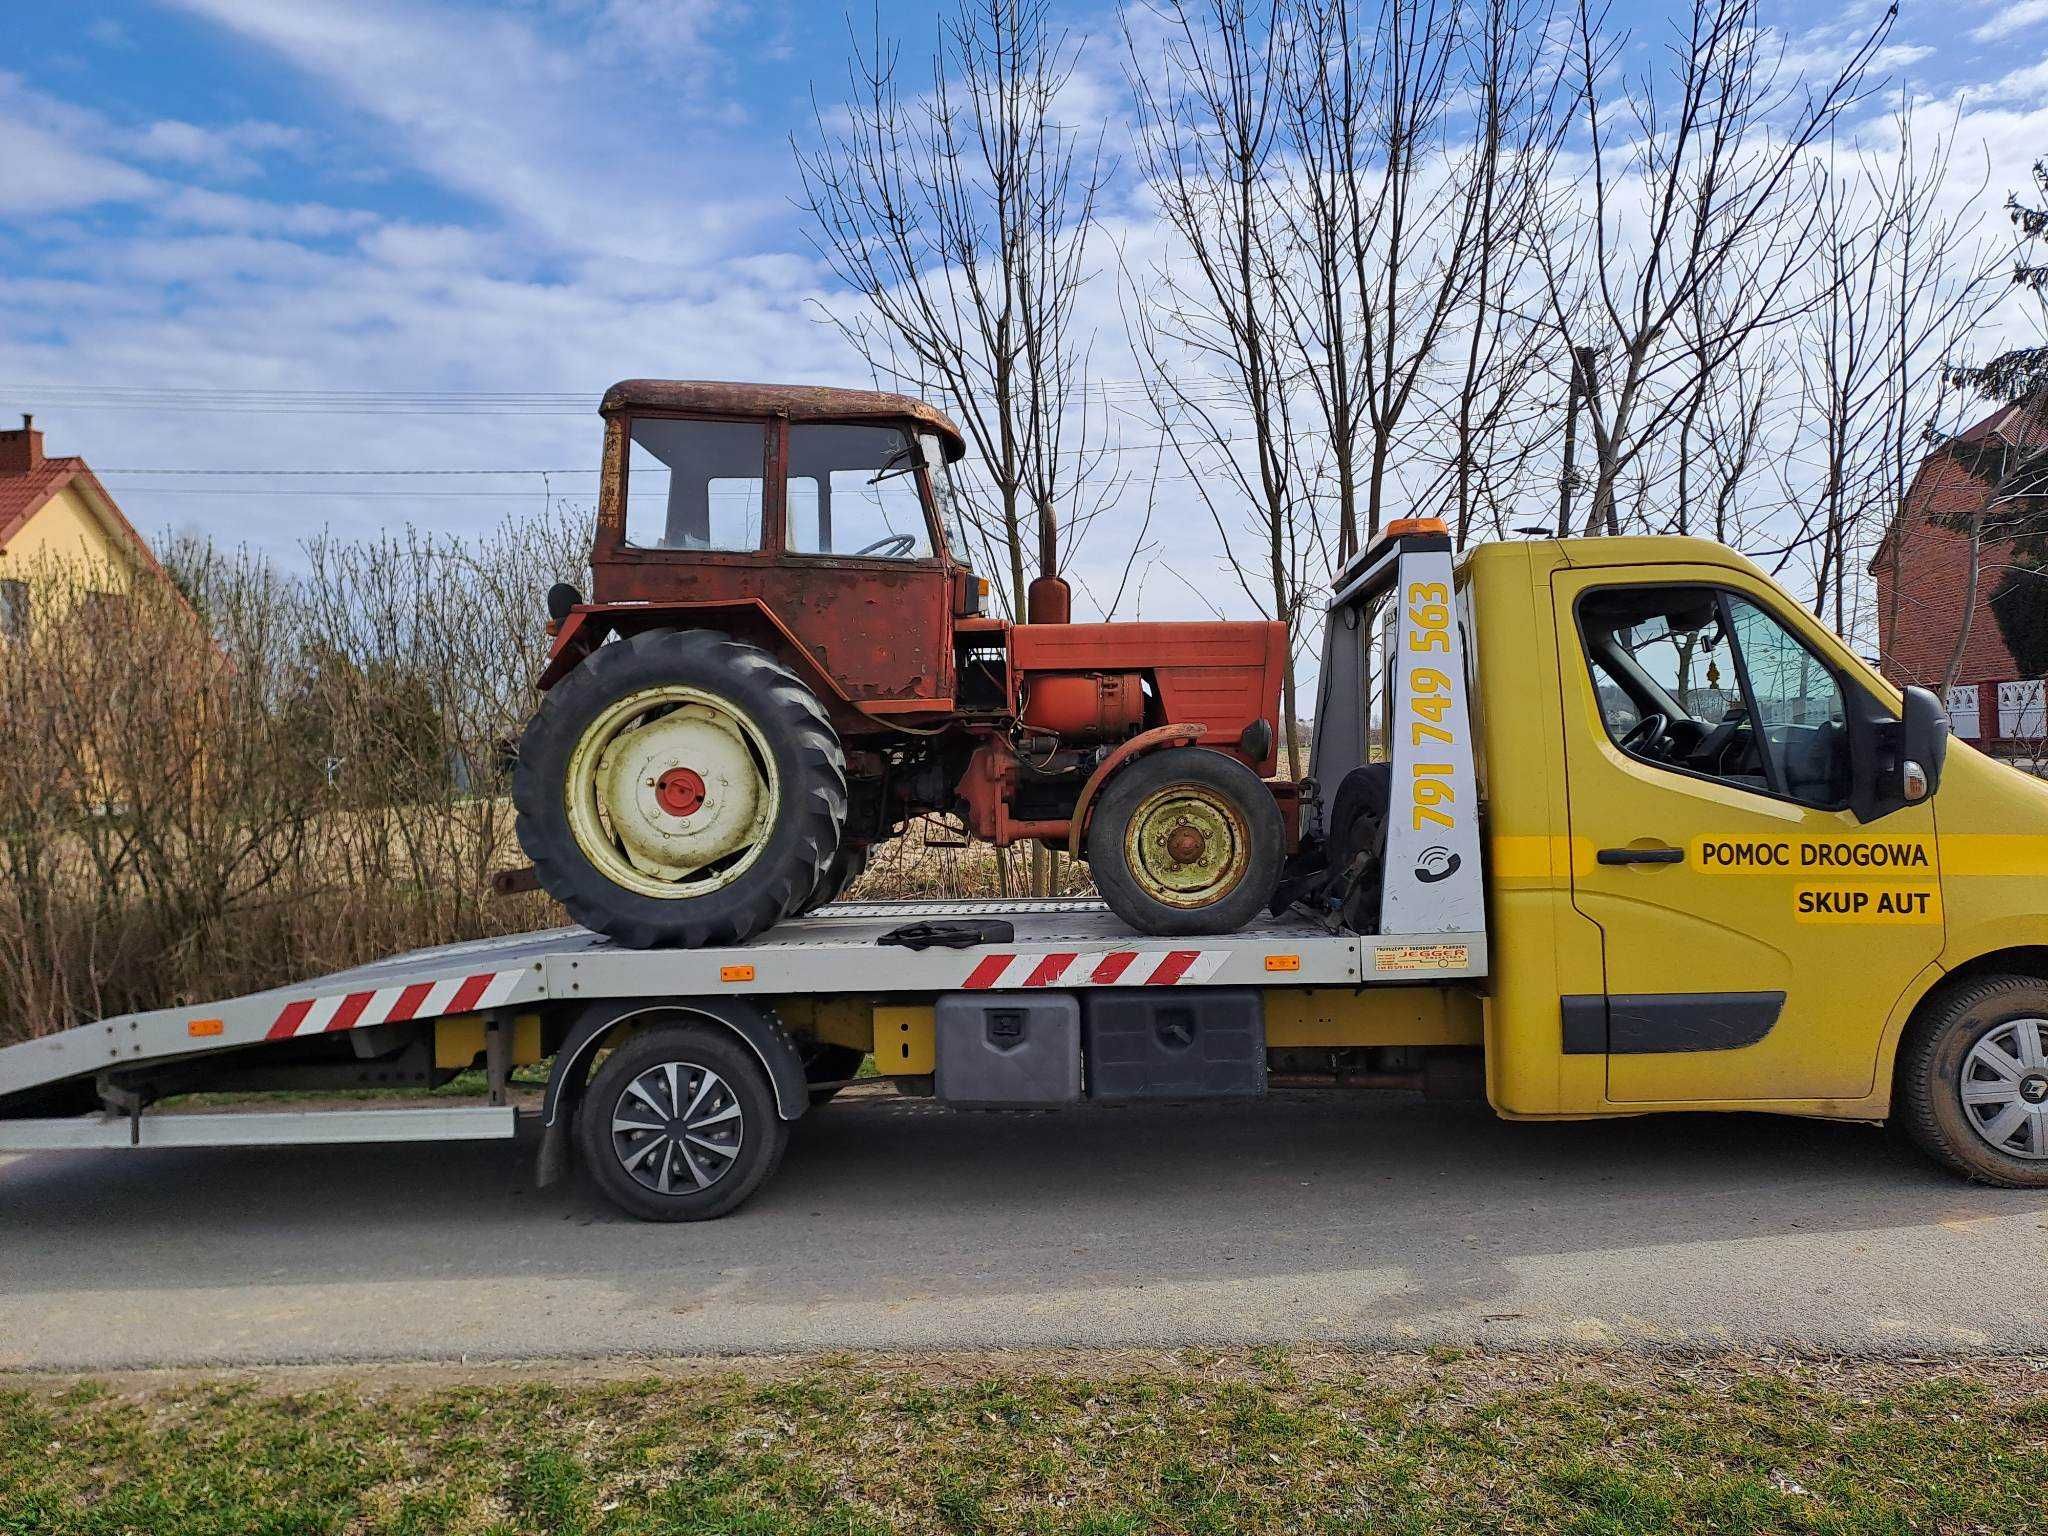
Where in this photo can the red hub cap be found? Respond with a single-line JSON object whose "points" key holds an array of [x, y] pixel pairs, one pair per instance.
{"points": [[679, 791]]}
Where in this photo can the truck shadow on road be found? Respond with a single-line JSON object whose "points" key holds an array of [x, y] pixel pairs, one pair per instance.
{"points": [[899, 1198]]}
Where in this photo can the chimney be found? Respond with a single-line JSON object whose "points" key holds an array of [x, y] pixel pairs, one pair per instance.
{"points": [[21, 451]]}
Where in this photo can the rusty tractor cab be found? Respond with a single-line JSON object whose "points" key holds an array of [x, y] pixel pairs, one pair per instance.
{"points": [[781, 662]]}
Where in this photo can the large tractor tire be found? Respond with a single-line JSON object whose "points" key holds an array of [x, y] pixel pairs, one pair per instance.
{"points": [[846, 868], [1185, 840], [680, 789]]}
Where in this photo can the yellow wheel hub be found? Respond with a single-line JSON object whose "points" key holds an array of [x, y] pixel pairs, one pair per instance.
{"points": [[672, 792], [1187, 846]]}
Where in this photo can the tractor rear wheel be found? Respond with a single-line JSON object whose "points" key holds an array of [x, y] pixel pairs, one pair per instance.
{"points": [[846, 868], [1186, 840], [680, 789]]}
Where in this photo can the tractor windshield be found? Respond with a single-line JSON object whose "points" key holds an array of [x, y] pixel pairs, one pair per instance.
{"points": [[853, 490]]}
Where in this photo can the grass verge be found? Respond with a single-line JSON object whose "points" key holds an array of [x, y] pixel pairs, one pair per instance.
{"points": [[1265, 1441]]}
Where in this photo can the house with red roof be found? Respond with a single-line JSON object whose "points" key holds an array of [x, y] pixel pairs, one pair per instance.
{"points": [[55, 513]]}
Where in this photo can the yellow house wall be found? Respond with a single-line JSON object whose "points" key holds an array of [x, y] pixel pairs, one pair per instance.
{"points": [[65, 530]]}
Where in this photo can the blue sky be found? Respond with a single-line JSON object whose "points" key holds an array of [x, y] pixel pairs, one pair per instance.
{"points": [[377, 195]]}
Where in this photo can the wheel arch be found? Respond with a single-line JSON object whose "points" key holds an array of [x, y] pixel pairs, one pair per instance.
{"points": [[1929, 990], [748, 619], [612, 1020], [1188, 733]]}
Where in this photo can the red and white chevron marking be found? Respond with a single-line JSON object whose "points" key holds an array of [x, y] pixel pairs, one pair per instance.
{"points": [[1097, 968], [394, 1005]]}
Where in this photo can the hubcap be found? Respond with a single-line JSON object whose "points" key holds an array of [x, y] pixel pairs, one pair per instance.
{"points": [[672, 792], [2005, 1088], [1187, 846], [680, 791], [677, 1128]]}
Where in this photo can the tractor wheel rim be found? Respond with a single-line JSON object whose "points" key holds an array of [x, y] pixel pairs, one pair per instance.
{"points": [[1187, 846], [678, 1128], [2004, 1088], [672, 792]]}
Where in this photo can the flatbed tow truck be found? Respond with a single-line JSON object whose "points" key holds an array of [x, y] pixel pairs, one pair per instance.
{"points": [[1623, 830]]}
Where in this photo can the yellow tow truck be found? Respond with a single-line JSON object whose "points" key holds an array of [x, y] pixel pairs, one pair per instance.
{"points": [[1598, 827]]}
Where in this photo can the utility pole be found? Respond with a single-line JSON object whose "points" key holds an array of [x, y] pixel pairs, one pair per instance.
{"points": [[1566, 474], [1583, 361]]}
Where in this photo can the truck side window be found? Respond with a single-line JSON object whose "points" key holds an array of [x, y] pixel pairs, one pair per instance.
{"points": [[1706, 683], [695, 484]]}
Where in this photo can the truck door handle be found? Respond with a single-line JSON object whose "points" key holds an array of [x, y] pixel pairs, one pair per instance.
{"points": [[1641, 856]]}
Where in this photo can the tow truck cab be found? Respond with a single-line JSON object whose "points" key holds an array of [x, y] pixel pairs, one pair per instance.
{"points": [[1728, 862]]}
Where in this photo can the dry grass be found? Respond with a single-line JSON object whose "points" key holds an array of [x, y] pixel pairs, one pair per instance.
{"points": [[1191, 1441]]}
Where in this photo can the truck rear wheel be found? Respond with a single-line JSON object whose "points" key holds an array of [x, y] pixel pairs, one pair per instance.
{"points": [[680, 1124], [1186, 840], [680, 788], [1973, 1081]]}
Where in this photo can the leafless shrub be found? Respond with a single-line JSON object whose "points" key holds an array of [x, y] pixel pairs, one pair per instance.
{"points": [[224, 777]]}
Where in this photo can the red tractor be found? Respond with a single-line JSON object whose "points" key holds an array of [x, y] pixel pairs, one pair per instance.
{"points": [[782, 663]]}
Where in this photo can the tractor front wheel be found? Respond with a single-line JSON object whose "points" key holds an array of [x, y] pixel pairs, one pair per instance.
{"points": [[1186, 840], [680, 789]]}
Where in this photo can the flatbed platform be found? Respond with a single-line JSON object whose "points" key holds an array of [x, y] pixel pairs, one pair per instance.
{"points": [[1056, 944]]}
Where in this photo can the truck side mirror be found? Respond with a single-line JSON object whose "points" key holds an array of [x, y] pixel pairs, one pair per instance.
{"points": [[1923, 745], [1895, 763]]}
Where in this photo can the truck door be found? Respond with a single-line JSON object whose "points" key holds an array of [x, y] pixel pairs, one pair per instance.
{"points": [[1756, 936]]}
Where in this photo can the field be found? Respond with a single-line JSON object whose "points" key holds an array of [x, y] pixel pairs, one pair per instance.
{"points": [[1268, 1441]]}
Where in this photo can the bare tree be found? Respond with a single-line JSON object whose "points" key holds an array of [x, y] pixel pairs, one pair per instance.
{"points": [[1699, 183], [1419, 133], [1209, 317], [961, 221]]}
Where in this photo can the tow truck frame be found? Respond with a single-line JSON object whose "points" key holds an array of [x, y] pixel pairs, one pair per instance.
{"points": [[565, 994]]}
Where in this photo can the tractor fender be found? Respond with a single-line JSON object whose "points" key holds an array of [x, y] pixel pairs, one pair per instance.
{"points": [[1140, 744], [760, 1029], [756, 624]]}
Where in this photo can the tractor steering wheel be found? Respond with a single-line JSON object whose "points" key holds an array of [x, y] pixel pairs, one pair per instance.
{"points": [[1646, 733], [893, 547]]}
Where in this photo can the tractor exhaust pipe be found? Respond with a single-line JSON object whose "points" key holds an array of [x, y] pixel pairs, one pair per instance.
{"points": [[1048, 600]]}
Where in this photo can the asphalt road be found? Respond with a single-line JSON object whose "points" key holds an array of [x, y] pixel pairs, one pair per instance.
{"points": [[1368, 1219]]}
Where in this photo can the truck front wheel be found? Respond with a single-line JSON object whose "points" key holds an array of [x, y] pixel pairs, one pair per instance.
{"points": [[1973, 1080], [680, 1124]]}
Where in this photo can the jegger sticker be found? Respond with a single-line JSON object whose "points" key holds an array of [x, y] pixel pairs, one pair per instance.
{"points": [[1867, 903], [1796, 855]]}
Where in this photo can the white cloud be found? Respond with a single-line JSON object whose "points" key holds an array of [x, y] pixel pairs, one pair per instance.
{"points": [[42, 170], [230, 212], [234, 150], [2017, 17]]}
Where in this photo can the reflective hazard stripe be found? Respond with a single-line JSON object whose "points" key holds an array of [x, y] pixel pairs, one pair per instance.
{"points": [[1107, 968], [393, 1005]]}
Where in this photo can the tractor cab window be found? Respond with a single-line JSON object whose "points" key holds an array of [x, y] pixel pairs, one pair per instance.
{"points": [[1704, 682], [695, 484], [854, 491]]}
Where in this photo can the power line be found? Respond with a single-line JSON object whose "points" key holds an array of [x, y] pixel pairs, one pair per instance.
{"points": [[339, 472]]}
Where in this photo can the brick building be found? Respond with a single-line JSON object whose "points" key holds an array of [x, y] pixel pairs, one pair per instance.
{"points": [[1922, 568]]}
